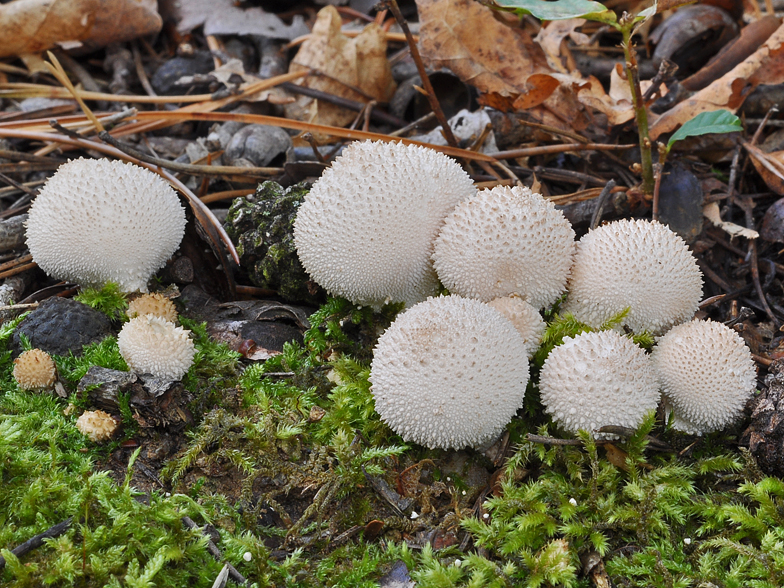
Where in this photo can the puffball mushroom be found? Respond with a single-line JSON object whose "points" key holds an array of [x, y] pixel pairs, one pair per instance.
{"points": [[597, 379], [155, 304], [505, 241], [366, 229], [34, 369], [97, 425], [706, 373], [449, 372], [153, 345], [635, 264], [525, 318], [97, 220]]}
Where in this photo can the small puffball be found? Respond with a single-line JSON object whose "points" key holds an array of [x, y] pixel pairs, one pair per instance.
{"points": [[505, 241], [450, 372], [635, 264], [155, 304], [153, 345], [366, 229], [97, 220], [706, 373], [598, 379], [525, 318], [34, 369], [97, 425]]}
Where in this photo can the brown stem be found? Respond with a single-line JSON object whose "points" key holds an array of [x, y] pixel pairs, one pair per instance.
{"points": [[658, 170], [428, 87], [641, 114]]}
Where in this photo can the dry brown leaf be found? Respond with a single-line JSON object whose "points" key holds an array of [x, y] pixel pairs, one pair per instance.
{"points": [[511, 70], [356, 69], [713, 214], [33, 26], [552, 40], [464, 37], [764, 66]]}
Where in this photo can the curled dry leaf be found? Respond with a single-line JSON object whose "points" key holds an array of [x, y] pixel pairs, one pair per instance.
{"points": [[356, 69], [733, 53], [692, 35], [552, 40], [770, 166], [33, 26], [764, 66], [712, 213]]}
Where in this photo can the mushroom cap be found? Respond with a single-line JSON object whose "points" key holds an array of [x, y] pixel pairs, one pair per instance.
{"points": [[706, 374], [635, 264], [155, 304], [97, 220], [152, 345], [366, 229], [597, 379], [504, 241], [525, 318], [97, 425], [34, 369], [449, 372]]}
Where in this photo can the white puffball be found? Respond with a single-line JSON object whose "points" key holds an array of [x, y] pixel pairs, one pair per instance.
{"points": [[97, 220]]}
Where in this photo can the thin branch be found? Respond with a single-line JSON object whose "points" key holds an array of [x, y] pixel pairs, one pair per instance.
{"points": [[189, 168], [38, 540], [428, 87]]}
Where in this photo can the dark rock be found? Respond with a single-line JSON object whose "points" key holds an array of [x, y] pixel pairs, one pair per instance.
{"points": [[680, 202], [773, 222], [256, 328], [165, 77], [262, 229], [60, 325], [155, 402], [256, 145]]}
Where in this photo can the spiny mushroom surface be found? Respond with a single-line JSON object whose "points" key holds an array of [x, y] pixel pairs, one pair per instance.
{"points": [[525, 318], [597, 379], [34, 369], [706, 373], [450, 372], [505, 241], [155, 304], [635, 264], [366, 229], [97, 220], [97, 425], [152, 345]]}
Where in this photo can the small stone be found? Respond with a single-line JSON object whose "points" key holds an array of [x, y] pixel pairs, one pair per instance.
{"points": [[256, 146], [61, 325]]}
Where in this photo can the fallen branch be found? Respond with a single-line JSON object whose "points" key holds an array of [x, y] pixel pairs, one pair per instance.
{"points": [[38, 540]]}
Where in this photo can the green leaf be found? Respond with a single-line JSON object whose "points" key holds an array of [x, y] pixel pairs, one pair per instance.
{"points": [[717, 121], [561, 9]]}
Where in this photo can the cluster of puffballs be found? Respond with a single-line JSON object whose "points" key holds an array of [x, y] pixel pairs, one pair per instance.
{"points": [[97, 221], [390, 222]]}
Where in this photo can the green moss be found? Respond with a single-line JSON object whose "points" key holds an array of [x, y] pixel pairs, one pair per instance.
{"points": [[303, 443], [109, 299]]}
